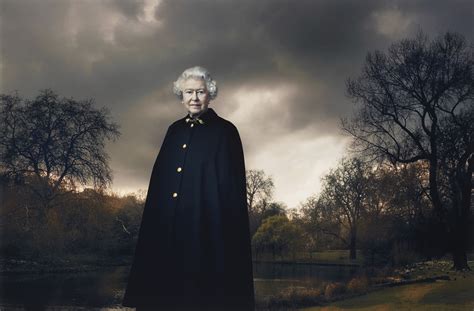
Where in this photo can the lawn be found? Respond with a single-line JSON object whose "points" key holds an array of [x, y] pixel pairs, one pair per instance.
{"points": [[457, 294]]}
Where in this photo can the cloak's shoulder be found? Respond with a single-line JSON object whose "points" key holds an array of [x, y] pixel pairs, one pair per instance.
{"points": [[172, 127], [175, 123], [228, 128]]}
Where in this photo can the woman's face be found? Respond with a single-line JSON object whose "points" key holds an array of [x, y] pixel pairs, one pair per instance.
{"points": [[195, 95]]}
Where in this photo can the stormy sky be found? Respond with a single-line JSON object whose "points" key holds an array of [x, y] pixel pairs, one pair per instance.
{"points": [[280, 66]]}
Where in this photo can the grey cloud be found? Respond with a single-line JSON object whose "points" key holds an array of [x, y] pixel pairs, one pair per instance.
{"points": [[105, 50], [130, 8]]}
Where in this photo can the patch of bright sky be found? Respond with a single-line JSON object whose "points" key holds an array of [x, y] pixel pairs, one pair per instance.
{"points": [[297, 162], [295, 159], [392, 22]]}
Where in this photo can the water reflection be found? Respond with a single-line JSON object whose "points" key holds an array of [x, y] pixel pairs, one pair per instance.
{"points": [[105, 288]]}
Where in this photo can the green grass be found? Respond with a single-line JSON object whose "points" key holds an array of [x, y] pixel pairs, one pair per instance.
{"points": [[442, 295]]}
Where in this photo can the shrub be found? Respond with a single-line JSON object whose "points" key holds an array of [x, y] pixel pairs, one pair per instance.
{"points": [[333, 290], [291, 297], [358, 284], [301, 296]]}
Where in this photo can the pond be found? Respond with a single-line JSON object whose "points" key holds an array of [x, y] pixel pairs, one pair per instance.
{"points": [[105, 288]]}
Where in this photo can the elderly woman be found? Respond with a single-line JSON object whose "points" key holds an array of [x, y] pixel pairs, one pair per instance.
{"points": [[193, 250]]}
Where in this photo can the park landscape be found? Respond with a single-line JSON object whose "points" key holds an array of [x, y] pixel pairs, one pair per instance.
{"points": [[389, 226]]}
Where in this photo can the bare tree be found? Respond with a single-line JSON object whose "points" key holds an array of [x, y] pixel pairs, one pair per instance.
{"points": [[53, 143], [410, 98], [322, 231], [259, 187], [343, 200]]}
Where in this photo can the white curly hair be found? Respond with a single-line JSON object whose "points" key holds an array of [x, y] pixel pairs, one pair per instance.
{"points": [[197, 72]]}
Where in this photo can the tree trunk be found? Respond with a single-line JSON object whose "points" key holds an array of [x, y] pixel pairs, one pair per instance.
{"points": [[459, 241], [460, 259], [461, 215], [352, 246], [433, 185]]}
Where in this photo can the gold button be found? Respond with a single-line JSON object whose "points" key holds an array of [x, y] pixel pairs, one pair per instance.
{"points": [[175, 195], [192, 124], [179, 169], [184, 146]]}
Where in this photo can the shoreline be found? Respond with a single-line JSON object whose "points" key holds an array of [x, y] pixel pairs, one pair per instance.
{"points": [[315, 263], [380, 287], [455, 293], [421, 273], [25, 266]]}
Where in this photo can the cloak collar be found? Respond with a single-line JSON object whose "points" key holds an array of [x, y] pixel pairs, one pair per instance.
{"points": [[206, 116]]}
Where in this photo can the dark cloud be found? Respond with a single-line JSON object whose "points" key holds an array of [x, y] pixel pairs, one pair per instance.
{"points": [[129, 8], [127, 53]]}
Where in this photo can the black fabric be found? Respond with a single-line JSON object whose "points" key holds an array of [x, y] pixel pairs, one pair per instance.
{"points": [[193, 250]]}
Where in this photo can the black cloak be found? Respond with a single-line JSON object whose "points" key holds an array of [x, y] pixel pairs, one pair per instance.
{"points": [[193, 250]]}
